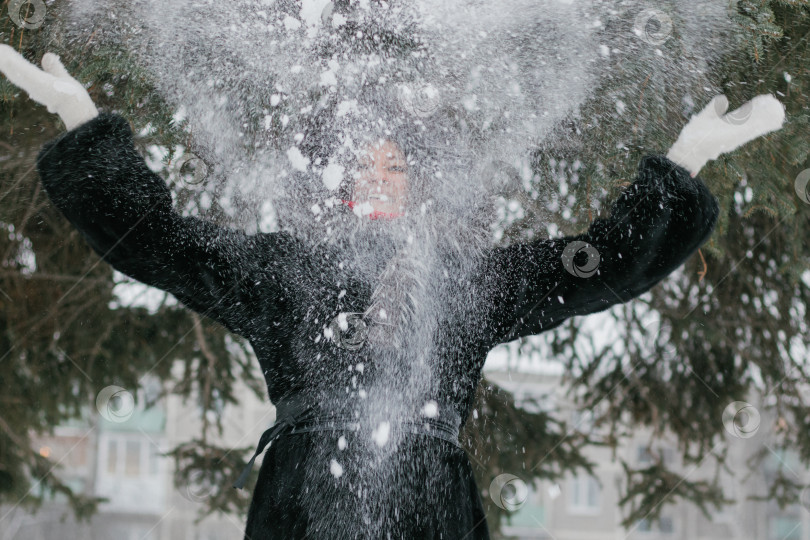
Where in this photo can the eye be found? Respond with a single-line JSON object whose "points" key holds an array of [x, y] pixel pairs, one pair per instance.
{"points": [[397, 168]]}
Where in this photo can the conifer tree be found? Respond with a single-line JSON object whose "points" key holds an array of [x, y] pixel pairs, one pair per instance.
{"points": [[729, 319]]}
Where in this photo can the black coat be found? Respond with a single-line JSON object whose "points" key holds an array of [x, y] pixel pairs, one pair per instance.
{"points": [[278, 292]]}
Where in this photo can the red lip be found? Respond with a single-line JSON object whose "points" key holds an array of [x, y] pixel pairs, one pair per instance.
{"points": [[375, 214]]}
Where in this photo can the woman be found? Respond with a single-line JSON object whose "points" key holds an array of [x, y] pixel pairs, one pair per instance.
{"points": [[381, 181], [306, 309]]}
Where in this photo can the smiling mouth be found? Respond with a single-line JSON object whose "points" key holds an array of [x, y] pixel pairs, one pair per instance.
{"points": [[378, 197]]}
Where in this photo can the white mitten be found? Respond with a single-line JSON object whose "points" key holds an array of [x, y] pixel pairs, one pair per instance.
{"points": [[53, 87], [712, 132]]}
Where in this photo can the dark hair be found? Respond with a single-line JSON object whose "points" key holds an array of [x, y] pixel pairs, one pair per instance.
{"points": [[379, 114]]}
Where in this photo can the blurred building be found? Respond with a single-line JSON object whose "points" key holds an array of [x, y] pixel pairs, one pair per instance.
{"points": [[586, 508], [120, 457], [122, 460]]}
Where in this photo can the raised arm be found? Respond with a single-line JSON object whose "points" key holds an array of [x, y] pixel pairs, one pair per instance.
{"points": [[653, 227], [102, 185], [95, 176]]}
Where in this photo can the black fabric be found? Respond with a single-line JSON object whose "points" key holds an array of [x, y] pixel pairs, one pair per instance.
{"points": [[296, 414], [280, 293]]}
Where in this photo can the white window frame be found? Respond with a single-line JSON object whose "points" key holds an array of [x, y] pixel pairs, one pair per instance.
{"points": [[575, 486]]}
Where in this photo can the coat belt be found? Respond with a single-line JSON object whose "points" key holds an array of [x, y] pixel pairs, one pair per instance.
{"points": [[297, 414]]}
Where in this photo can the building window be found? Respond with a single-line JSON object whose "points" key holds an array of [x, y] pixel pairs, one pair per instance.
{"points": [[785, 528], [584, 495], [130, 457], [127, 476], [781, 459], [154, 460], [665, 525], [112, 456], [645, 456], [132, 462]]}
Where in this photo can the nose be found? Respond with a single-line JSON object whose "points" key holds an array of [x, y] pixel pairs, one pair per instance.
{"points": [[378, 176]]}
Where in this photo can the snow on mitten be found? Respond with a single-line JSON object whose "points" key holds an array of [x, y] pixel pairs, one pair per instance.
{"points": [[51, 86], [712, 132]]}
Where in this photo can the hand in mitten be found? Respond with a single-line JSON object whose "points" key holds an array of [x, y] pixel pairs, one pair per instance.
{"points": [[53, 87], [712, 132]]}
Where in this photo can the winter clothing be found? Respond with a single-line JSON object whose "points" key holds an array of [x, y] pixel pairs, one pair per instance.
{"points": [[713, 132], [51, 86], [296, 414], [281, 292]]}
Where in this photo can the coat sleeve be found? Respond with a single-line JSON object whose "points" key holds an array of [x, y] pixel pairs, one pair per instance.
{"points": [[653, 227], [99, 181]]}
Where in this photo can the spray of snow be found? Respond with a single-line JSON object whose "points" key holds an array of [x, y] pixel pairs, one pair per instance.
{"points": [[336, 469], [281, 102], [381, 434]]}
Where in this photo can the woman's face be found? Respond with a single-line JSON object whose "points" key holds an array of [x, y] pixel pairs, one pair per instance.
{"points": [[381, 178]]}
